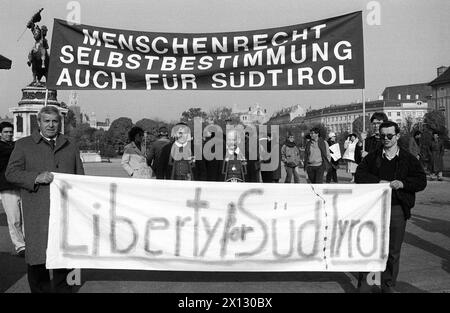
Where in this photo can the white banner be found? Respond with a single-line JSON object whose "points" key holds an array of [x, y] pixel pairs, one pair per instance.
{"points": [[123, 223]]}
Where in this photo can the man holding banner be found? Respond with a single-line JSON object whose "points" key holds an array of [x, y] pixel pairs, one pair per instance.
{"points": [[406, 177], [30, 166]]}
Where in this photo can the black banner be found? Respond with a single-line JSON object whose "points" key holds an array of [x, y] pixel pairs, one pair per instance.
{"points": [[326, 54]]}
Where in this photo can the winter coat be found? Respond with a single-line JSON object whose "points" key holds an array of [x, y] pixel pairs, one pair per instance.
{"points": [[5, 152], [413, 147], [134, 162], [154, 156], [437, 156], [33, 155], [324, 151], [372, 144]]}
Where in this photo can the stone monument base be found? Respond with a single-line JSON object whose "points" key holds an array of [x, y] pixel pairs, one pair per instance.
{"points": [[25, 114]]}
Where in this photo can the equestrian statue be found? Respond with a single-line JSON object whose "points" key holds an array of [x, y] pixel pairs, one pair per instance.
{"points": [[38, 57]]}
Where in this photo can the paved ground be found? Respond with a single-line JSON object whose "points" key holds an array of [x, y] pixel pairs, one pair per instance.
{"points": [[425, 262]]}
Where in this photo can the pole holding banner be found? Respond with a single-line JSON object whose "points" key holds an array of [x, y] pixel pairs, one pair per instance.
{"points": [[364, 117]]}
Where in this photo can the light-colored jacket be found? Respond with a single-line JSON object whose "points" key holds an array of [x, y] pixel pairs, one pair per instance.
{"points": [[350, 148], [134, 162], [290, 156]]}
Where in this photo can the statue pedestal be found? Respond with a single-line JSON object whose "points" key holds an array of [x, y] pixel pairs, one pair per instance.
{"points": [[25, 115]]}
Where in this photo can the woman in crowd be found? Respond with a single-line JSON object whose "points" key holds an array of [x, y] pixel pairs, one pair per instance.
{"points": [[134, 159], [414, 144], [352, 154], [181, 160]]}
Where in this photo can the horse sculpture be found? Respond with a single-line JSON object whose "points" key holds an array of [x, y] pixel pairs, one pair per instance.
{"points": [[38, 58]]}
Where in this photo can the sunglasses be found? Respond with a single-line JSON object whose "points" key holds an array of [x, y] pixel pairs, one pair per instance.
{"points": [[388, 136]]}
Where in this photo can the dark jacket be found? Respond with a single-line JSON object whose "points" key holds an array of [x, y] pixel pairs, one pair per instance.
{"points": [[33, 155], [253, 166], [408, 170], [199, 167], [372, 144], [265, 157], [358, 153], [5, 152], [323, 151], [157, 157], [214, 167], [436, 152]]}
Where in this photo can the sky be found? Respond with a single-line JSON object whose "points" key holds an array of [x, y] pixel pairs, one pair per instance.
{"points": [[410, 43]]}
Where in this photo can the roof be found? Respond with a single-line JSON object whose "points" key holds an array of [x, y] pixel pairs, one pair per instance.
{"points": [[298, 120], [330, 110], [279, 119], [423, 90], [444, 78], [5, 63]]}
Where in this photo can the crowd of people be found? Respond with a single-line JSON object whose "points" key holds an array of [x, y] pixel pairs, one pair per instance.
{"points": [[430, 154], [27, 166], [172, 157]]}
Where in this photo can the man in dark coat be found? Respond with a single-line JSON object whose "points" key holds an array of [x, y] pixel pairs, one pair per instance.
{"points": [[30, 166], [396, 166], [436, 151], [374, 142], [10, 193], [157, 156], [266, 144], [214, 167]]}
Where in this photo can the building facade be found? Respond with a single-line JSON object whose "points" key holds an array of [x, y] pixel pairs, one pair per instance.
{"points": [[440, 99], [74, 107], [92, 120], [255, 115], [405, 105], [292, 115]]}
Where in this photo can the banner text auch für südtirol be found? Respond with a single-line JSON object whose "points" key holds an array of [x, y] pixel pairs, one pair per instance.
{"points": [[297, 57]]}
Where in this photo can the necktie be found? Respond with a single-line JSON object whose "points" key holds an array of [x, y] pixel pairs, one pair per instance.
{"points": [[52, 143]]}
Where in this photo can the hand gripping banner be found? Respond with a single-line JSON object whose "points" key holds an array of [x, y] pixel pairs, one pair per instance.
{"points": [[326, 54], [123, 223]]}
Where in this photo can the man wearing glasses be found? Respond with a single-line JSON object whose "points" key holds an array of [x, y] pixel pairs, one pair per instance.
{"points": [[373, 142], [396, 166]]}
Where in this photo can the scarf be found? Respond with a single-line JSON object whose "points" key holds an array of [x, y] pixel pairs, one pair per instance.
{"points": [[290, 144]]}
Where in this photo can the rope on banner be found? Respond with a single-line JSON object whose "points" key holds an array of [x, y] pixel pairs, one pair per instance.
{"points": [[325, 238]]}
